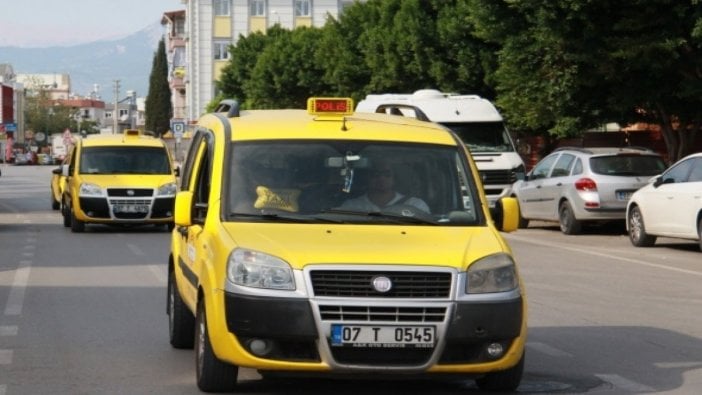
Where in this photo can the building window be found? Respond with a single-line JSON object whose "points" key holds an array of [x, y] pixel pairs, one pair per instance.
{"points": [[180, 27], [108, 114], [302, 8], [221, 7], [123, 114], [258, 8], [221, 50]]}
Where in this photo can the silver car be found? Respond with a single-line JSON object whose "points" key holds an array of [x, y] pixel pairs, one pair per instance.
{"points": [[574, 186]]}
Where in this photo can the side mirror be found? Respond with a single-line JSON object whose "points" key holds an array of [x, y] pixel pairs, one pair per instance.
{"points": [[506, 214], [183, 208], [66, 170], [57, 170]]}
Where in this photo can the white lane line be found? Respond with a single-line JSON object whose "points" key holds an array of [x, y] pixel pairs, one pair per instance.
{"points": [[548, 350], [135, 249], [5, 357], [159, 273], [624, 384], [19, 284], [591, 252], [8, 330]]}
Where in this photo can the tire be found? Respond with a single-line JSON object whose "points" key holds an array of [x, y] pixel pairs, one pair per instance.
{"points": [[566, 218], [637, 229], [181, 322], [77, 226], [212, 375], [66, 216], [699, 231], [504, 380], [55, 205]]}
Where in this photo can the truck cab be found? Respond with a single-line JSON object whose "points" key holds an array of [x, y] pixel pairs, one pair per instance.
{"points": [[474, 119]]}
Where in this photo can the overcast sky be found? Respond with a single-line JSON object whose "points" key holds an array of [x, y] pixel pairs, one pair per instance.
{"points": [[42, 23]]}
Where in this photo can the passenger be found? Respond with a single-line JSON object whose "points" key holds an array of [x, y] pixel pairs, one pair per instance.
{"points": [[381, 193]]}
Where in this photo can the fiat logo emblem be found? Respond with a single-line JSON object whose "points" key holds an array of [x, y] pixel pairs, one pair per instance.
{"points": [[381, 284], [130, 192]]}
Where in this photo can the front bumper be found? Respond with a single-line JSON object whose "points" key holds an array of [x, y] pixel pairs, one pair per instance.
{"points": [[298, 332]]}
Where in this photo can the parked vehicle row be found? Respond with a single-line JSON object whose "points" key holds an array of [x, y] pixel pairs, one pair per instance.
{"points": [[580, 186]]}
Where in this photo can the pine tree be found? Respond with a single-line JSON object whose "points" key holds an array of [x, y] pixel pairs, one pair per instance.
{"points": [[159, 108]]}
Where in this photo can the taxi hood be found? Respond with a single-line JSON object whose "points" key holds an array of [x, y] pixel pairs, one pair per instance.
{"points": [[128, 180], [304, 244]]}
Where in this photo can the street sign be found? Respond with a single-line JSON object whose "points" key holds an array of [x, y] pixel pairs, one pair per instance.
{"points": [[178, 128]]}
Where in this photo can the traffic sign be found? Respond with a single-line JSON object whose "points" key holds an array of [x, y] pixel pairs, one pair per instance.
{"points": [[178, 128]]}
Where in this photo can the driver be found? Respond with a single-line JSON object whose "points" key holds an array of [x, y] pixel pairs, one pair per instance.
{"points": [[381, 193]]}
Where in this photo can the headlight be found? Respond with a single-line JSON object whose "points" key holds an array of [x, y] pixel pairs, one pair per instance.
{"points": [[256, 269], [167, 189], [494, 273], [90, 190]]}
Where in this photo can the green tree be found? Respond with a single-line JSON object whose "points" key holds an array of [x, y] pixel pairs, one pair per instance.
{"points": [[571, 65], [286, 72], [159, 109]]}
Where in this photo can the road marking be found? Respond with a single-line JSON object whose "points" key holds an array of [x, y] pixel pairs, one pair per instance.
{"points": [[19, 284], [159, 273], [5, 357], [8, 330], [548, 350], [619, 258], [624, 384], [135, 249]]}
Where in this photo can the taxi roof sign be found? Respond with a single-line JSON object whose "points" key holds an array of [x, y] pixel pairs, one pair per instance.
{"points": [[334, 106]]}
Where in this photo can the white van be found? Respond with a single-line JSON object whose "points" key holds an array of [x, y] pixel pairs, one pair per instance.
{"points": [[474, 119]]}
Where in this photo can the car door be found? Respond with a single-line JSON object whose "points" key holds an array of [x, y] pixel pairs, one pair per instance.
{"points": [[553, 186], [662, 205], [687, 200], [196, 179], [529, 191]]}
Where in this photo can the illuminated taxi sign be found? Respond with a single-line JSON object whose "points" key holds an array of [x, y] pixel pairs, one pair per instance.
{"points": [[330, 106]]}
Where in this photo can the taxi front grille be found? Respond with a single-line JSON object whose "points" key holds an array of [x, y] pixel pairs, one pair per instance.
{"points": [[342, 313], [354, 284], [131, 201], [130, 192]]}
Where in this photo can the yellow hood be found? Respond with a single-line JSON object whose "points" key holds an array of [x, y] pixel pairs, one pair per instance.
{"points": [[301, 245]]}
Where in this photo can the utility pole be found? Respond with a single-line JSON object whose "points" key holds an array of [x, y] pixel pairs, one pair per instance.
{"points": [[115, 113]]}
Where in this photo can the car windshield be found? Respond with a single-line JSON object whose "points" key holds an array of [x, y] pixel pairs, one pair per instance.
{"points": [[124, 160], [627, 165], [350, 182], [483, 136]]}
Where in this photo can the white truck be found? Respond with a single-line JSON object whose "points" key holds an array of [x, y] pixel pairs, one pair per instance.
{"points": [[474, 119]]}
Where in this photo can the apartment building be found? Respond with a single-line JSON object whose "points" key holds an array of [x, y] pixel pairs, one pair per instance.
{"points": [[211, 26]]}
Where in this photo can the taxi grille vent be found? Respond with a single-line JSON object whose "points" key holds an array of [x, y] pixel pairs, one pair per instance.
{"points": [[358, 284], [382, 314]]}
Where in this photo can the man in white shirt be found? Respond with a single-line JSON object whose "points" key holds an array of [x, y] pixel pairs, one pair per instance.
{"points": [[381, 193]]}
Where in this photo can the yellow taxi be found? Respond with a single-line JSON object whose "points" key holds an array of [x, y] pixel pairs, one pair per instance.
{"points": [[332, 242], [121, 179]]}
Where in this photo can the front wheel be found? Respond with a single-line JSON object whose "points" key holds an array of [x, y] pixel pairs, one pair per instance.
{"points": [[637, 230], [504, 380], [181, 322], [699, 231], [77, 226], [212, 374], [566, 217]]}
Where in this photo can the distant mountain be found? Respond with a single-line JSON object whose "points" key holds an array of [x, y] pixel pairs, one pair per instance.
{"points": [[102, 62]]}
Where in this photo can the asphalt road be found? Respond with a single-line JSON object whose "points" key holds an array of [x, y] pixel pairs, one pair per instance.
{"points": [[85, 313]]}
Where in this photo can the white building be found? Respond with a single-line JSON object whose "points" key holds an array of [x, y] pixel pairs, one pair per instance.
{"points": [[212, 25]]}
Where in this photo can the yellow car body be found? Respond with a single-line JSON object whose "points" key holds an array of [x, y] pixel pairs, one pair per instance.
{"points": [[307, 285], [123, 179]]}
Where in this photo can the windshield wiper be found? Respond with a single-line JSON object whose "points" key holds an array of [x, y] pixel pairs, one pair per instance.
{"points": [[396, 218]]}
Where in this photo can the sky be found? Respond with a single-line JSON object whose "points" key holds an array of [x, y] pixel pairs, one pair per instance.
{"points": [[45, 23]]}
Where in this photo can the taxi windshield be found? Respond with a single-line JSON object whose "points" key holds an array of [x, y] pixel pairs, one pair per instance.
{"points": [[350, 182], [124, 160]]}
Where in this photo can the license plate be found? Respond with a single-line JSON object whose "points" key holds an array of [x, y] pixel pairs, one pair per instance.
{"points": [[383, 336], [130, 208], [622, 195]]}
